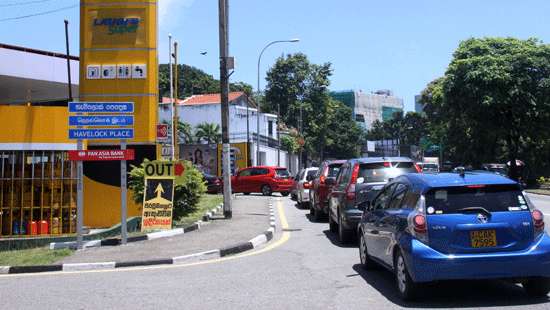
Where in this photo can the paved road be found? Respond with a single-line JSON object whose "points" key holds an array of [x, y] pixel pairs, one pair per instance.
{"points": [[304, 268]]}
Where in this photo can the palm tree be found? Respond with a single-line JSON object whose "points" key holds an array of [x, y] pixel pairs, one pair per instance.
{"points": [[185, 133], [209, 132]]}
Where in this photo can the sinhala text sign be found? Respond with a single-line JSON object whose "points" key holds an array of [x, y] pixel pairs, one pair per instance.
{"points": [[158, 197]]}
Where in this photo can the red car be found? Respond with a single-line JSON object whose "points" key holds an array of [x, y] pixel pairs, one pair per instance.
{"points": [[319, 190], [262, 179]]}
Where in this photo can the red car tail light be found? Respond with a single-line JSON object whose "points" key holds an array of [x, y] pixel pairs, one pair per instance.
{"points": [[322, 179], [538, 220], [418, 169], [350, 190]]}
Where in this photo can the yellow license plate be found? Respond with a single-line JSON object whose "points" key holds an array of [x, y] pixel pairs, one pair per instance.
{"points": [[483, 238]]}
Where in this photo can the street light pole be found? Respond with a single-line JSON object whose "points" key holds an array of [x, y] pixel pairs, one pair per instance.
{"points": [[258, 90]]}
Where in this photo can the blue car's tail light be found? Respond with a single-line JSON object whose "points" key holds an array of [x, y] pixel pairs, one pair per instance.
{"points": [[418, 224], [538, 221]]}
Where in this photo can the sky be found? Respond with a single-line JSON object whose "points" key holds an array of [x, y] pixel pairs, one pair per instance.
{"points": [[399, 45]]}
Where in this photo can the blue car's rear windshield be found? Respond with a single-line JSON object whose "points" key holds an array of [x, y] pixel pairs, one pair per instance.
{"points": [[461, 199]]}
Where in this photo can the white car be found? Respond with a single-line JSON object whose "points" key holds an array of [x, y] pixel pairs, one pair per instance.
{"points": [[303, 185]]}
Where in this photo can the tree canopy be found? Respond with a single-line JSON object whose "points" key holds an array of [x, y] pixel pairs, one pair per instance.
{"points": [[299, 87], [193, 81], [493, 102]]}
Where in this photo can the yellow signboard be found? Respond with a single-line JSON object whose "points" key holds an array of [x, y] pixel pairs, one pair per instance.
{"points": [[238, 159], [118, 63], [118, 58], [158, 197], [164, 169]]}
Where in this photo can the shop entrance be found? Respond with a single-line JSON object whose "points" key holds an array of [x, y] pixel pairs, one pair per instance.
{"points": [[37, 193]]}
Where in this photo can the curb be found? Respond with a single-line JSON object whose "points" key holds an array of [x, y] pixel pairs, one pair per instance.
{"points": [[150, 236], [217, 253]]}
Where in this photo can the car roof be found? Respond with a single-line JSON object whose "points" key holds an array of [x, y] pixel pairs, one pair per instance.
{"points": [[336, 161], [366, 160], [425, 182], [266, 167]]}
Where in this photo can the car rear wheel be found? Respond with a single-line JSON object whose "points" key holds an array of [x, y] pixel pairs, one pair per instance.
{"points": [[364, 256], [266, 190], [285, 194], [405, 286], [537, 287], [344, 234], [315, 214], [246, 194], [332, 224]]}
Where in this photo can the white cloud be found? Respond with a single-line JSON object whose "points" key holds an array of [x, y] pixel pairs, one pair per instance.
{"points": [[168, 9]]}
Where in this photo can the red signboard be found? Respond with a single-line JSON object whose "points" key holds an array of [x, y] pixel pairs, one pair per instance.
{"points": [[162, 132], [100, 155]]}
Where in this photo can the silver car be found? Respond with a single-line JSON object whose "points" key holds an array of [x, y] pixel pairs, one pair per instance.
{"points": [[303, 185]]}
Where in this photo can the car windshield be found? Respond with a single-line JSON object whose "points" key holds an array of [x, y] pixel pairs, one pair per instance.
{"points": [[492, 198], [333, 170], [382, 172], [282, 173], [311, 173]]}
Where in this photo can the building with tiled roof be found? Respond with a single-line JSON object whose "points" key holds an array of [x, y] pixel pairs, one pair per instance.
{"points": [[206, 108]]}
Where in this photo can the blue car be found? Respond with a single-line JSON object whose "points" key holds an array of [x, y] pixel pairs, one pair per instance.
{"points": [[432, 227]]}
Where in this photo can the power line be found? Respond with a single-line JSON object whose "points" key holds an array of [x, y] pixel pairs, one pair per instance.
{"points": [[40, 13], [23, 3]]}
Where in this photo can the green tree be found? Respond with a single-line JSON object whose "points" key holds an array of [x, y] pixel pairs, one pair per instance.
{"points": [[493, 102], [343, 136], [299, 87], [193, 81], [185, 133], [208, 132]]}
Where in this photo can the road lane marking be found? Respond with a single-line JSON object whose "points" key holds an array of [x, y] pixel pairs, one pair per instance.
{"points": [[282, 240]]}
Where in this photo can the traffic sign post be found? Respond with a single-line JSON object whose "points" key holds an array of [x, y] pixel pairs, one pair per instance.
{"points": [[101, 120], [101, 114]]}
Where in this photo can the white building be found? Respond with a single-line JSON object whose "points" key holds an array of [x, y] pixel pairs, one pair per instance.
{"points": [[369, 107], [206, 108]]}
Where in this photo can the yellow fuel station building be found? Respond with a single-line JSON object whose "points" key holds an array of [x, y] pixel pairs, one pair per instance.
{"points": [[118, 63]]}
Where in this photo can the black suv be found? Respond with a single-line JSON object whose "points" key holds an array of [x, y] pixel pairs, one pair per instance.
{"points": [[359, 180]]}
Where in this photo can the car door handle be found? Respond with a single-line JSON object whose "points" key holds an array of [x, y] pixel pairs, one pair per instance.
{"points": [[374, 232]]}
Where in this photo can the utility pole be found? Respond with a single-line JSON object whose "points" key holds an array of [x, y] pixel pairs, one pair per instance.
{"points": [[68, 60], [278, 135], [175, 121], [172, 108], [223, 11], [301, 136]]}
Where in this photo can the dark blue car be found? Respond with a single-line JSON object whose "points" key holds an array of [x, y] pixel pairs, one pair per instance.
{"points": [[448, 226]]}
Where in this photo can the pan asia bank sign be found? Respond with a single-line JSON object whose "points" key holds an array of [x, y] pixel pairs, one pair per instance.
{"points": [[116, 26]]}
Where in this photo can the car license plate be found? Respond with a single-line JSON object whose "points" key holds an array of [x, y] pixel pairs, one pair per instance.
{"points": [[483, 238]]}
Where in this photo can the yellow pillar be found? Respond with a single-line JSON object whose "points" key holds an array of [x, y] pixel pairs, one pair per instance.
{"points": [[118, 62]]}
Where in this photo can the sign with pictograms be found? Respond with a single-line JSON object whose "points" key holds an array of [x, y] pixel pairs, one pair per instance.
{"points": [[102, 155], [158, 197]]}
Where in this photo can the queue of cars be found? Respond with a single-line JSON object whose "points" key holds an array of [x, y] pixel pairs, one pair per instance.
{"points": [[428, 227]]}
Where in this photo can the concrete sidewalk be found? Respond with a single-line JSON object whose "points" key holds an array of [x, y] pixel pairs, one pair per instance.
{"points": [[250, 218]]}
